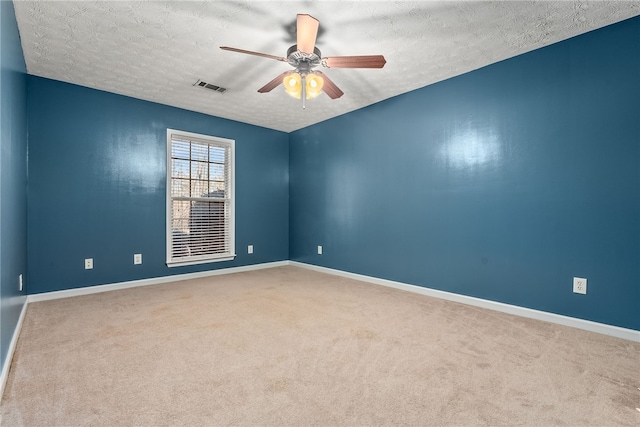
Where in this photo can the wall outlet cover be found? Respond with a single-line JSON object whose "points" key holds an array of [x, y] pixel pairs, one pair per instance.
{"points": [[319, 250], [137, 259], [88, 263], [250, 249], [579, 285]]}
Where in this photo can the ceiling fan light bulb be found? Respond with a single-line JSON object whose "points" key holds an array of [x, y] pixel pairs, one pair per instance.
{"points": [[314, 85], [293, 84]]}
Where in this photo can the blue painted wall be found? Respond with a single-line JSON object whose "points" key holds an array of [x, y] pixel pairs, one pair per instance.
{"points": [[13, 175], [502, 183], [97, 186]]}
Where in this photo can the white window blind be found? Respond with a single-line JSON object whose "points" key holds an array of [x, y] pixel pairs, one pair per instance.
{"points": [[200, 198]]}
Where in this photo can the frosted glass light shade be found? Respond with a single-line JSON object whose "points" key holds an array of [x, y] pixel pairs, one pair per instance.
{"points": [[293, 85], [314, 85]]}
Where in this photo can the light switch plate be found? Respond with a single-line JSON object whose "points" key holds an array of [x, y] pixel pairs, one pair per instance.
{"points": [[250, 249]]}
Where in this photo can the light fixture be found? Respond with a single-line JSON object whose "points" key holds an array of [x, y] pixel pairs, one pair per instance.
{"points": [[314, 85], [293, 85], [303, 85]]}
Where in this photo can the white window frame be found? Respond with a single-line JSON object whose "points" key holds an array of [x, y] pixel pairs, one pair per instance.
{"points": [[206, 258]]}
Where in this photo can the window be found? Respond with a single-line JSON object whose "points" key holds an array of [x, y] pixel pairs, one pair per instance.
{"points": [[200, 198]]}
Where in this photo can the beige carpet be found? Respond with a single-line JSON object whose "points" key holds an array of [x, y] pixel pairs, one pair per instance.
{"points": [[288, 346]]}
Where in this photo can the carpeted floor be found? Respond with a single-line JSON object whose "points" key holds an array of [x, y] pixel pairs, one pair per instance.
{"points": [[289, 346]]}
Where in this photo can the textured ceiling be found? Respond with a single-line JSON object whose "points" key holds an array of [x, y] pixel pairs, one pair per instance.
{"points": [[157, 50]]}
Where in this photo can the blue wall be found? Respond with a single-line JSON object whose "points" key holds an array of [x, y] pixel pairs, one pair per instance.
{"points": [[97, 165], [13, 175], [502, 183]]}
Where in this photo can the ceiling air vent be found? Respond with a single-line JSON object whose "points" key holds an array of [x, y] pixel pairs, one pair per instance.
{"points": [[210, 86]]}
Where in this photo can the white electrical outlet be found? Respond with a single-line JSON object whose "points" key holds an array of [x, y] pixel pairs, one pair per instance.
{"points": [[137, 259], [88, 263], [250, 249], [20, 283], [319, 250], [579, 285]]}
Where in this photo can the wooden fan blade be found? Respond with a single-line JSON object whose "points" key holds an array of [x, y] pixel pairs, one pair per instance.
{"points": [[249, 52], [307, 31], [330, 87], [274, 83], [366, 61]]}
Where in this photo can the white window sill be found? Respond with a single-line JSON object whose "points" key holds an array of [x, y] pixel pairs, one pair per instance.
{"points": [[199, 261]]}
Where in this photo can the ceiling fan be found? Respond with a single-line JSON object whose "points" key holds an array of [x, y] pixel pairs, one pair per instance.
{"points": [[304, 81]]}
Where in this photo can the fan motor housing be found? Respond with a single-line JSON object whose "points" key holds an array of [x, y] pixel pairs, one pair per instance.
{"points": [[302, 60]]}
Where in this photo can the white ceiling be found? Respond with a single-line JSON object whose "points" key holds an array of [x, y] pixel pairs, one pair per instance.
{"points": [[157, 50]]}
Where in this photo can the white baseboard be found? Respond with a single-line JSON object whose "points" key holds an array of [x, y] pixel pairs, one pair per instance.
{"points": [[601, 328], [45, 296], [12, 348]]}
